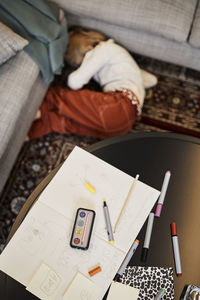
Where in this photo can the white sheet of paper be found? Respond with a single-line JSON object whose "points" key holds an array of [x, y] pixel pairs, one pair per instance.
{"points": [[45, 283], [45, 236], [45, 233], [81, 288], [111, 184], [122, 291]]}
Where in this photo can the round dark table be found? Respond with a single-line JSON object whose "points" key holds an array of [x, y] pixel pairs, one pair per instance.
{"points": [[150, 155]]}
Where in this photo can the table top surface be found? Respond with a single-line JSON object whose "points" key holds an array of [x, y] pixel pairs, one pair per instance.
{"points": [[150, 155]]}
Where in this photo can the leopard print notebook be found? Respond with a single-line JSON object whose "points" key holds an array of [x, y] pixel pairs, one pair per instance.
{"points": [[149, 280]]}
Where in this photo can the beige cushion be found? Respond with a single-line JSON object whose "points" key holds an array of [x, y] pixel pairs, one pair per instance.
{"points": [[10, 43]]}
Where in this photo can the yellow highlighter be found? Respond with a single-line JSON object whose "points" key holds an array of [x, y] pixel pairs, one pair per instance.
{"points": [[90, 188]]}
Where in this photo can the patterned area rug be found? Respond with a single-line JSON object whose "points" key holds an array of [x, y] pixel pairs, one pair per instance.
{"points": [[173, 105]]}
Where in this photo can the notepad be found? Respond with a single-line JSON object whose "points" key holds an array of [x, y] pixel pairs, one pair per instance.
{"points": [[122, 291], [81, 288], [149, 280], [45, 283]]}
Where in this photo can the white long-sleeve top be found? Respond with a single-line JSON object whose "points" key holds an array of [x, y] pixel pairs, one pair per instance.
{"points": [[112, 67]]}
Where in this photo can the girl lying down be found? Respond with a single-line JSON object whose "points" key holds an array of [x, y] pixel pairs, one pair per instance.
{"points": [[75, 109]]}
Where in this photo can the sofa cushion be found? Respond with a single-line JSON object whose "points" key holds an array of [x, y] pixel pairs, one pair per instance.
{"points": [[16, 79], [167, 18], [195, 33], [38, 22], [10, 43], [22, 90], [160, 48]]}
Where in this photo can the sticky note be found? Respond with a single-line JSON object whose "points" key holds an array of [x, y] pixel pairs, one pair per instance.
{"points": [[45, 283], [122, 291], [82, 288]]}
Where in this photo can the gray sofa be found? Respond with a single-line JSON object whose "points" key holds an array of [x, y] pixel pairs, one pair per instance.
{"points": [[163, 29], [22, 90]]}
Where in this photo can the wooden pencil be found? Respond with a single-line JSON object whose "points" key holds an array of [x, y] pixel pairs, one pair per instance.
{"points": [[126, 201]]}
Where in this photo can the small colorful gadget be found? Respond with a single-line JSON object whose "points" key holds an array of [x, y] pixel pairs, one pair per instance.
{"points": [[82, 229]]}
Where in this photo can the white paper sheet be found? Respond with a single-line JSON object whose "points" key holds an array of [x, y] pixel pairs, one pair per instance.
{"points": [[45, 233], [67, 193], [122, 291]]}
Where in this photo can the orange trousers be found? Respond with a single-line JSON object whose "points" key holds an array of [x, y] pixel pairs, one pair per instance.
{"points": [[84, 112]]}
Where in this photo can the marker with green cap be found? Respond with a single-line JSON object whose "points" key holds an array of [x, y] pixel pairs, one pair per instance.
{"points": [[160, 294]]}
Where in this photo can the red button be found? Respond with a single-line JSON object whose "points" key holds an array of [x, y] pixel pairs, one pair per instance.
{"points": [[76, 241]]}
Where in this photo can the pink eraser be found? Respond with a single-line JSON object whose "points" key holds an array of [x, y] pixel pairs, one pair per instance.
{"points": [[158, 210]]}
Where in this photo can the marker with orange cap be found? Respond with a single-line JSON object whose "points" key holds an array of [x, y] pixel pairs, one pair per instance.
{"points": [[127, 259], [176, 249]]}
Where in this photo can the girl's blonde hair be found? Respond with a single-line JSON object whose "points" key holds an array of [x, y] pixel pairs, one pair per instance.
{"points": [[81, 40]]}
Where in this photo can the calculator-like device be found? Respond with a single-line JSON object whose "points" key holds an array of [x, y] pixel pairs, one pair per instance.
{"points": [[82, 228]]}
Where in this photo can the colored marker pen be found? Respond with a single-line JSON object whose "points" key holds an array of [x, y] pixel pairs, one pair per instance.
{"points": [[127, 259], [176, 249], [147, 237], [160, 294], [108, 223], [162, 194]]}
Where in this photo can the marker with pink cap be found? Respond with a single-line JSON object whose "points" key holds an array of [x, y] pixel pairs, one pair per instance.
{"points": [[162, 194]]}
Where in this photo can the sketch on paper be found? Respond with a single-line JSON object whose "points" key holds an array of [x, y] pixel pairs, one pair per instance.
{"points": [[33, 239], [50, 283], [45, 283], [81, 288], [85, 295]]}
